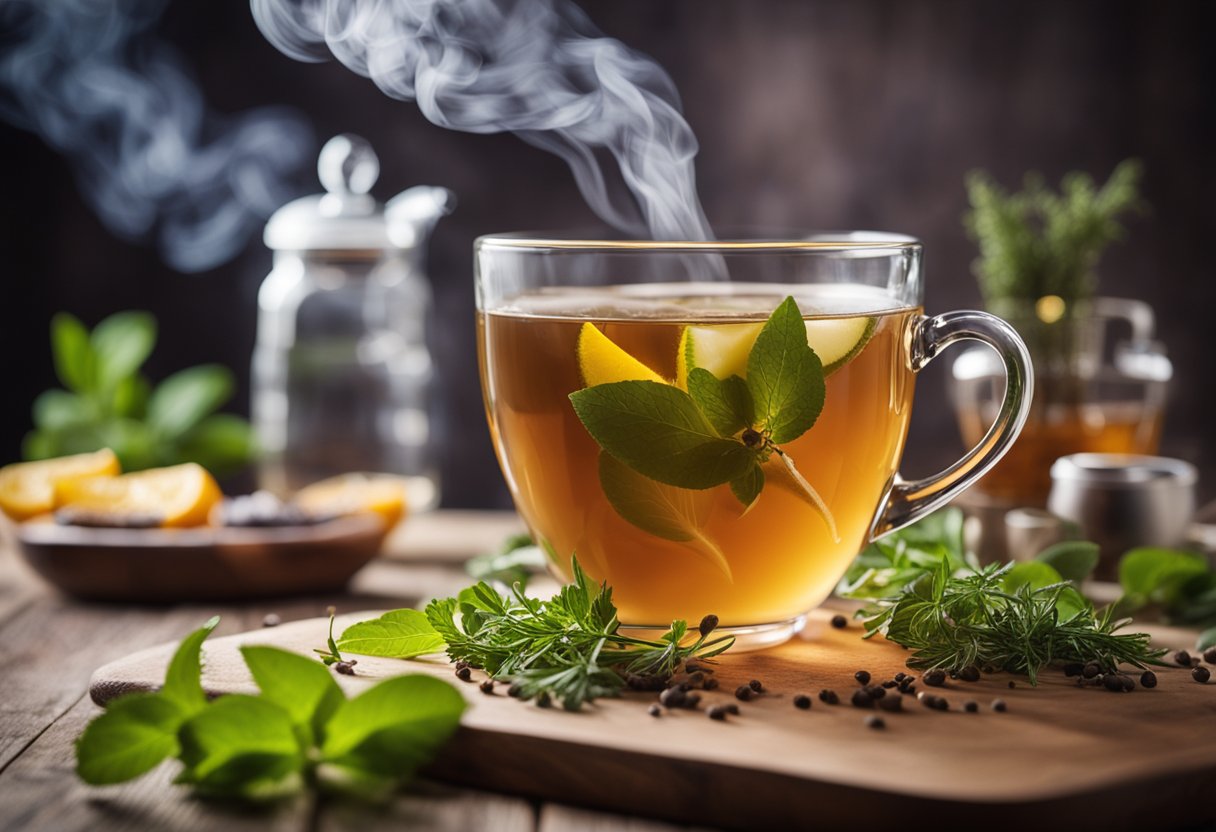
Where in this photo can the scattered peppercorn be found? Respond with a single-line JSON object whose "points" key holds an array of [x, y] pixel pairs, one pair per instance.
{"points": [[461, 663], [271, 619], [971, 707], [1148, 679], [487, 687], [971, 673], [743, 693], [731, 708], [755, 685], [1183, 658], [862, 677], [717, 712], [346, 668], [1209, 655], [875, 691], [1012, 684], [935, 678], [672, 698], [1091, 670], [709, 684], [861, 699], [654, 710], [907, 687], [802, 702], [1073, 669], [936, 703], [890, 683], [829, 697], [544, 700], [899, 677], [645, 681], [875, 723], [464, 674], [999, 706], [696, 678], [1112, 683], [515, 690], [1201, 675], [891, 704], [839, 622]]}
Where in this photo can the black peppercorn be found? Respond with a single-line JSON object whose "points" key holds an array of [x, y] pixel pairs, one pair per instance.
{"points": [[346, 668], [515, 690], [839, 622], [907, 687], [1112, 683], [1148, 679], [717, 712], [731, 708], [971, 707], [971, 673], [862, 677], [875, 691], [1183, 658], [743, 693], [1209, 655], [544, 700], [935, 678], [464, 674], [1012, 684], [829, 697], [890, 683], [1091, 670], [802, 702], [755, 685], [875, 723], [709, 684], [654, 710], [461, 663], [999, 706], [1201, 675], [487, 686], [899, 677], [672, 698], [691, 701], [861, 699], [891, 704]]}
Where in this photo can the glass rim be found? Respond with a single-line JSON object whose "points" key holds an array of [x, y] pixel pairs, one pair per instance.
{"points": [[796, 241]]}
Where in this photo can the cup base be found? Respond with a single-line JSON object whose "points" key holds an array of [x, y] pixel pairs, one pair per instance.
{"points": [[747, 638]]}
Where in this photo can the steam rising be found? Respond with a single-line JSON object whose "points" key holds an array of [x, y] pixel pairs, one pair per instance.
{"points": [[537, 68], [91, 80]]}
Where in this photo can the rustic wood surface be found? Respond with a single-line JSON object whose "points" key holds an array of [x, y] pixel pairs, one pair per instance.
{"points": [[1058, 756]]}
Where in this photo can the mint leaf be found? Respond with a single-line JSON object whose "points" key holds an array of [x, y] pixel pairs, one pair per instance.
{"points": [[239, 745], [665, 511], [1158, 575], [121, 344], [657, 430], [1032, 573], [392, 728], [183, 685], [221, 442], [135, 734], [75, 363], [785, 376], [56, 410], [300, 686], [727, 404], [748, 487], [400, 634], [1074, 560], [182, 400]]}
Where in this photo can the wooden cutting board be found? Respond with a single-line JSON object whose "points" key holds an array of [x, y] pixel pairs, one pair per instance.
{"points": [[1060, 755]]}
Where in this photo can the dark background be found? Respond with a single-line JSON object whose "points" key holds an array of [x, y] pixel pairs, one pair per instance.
{"points": [[843, 114]]}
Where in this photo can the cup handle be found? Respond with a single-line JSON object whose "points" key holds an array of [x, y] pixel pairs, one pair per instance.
{"points": [[907, 502]]}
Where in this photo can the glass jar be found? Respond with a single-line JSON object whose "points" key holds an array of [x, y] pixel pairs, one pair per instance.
{"points": [[342, 377]]}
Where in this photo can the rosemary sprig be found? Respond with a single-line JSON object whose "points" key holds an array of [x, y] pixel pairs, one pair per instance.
{"points": [[568, 648]]}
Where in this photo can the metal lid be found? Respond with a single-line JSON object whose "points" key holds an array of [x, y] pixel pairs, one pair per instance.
{"points": [[1123, 470], [347, 216]]}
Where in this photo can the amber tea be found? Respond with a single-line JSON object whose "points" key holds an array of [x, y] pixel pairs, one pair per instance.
{"points": [[684, 552]]}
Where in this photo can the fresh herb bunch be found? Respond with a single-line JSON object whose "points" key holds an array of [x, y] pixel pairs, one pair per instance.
{"points": [[299, 730], [568, 648], [1036, 243], [927, 594], [108, 403]]}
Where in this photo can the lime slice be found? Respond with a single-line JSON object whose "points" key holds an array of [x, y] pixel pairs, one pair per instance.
{"points": [[723, 349], [602, 362]]}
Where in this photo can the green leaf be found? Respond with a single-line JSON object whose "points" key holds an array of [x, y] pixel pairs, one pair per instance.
{"points": [[657, 430], [1206, 639], [131, 397], [184, 398], [132, 441], [785, 376], [394, 727], [400, 634], [513, 566], [665, 511], [1073, 559], [1158, 574], [39, 444], [1032, 573], [183, 680], [135, 734], [220, 443], [121, 344], [748, 487], [727, 404], [300, 686], [57, 410], [75, 363], [239, 745]]}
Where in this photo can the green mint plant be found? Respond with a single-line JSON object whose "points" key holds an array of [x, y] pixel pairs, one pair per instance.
{"points": [[109, 403], [657, 439], [300, 730]]}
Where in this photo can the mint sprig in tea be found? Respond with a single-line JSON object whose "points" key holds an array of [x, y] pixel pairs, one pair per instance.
{"points": [[701, 447]]}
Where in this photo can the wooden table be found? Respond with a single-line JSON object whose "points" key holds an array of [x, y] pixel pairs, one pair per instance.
{"points": [[49, 646]]}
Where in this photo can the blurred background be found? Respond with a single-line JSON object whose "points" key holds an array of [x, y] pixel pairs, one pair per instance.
{"points": [[844, 114]]}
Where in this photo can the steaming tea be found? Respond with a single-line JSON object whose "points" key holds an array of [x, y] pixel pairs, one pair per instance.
{"points": [[685, 552]]}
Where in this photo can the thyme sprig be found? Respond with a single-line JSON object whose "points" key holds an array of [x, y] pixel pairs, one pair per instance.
{"points": [[569, 648]]}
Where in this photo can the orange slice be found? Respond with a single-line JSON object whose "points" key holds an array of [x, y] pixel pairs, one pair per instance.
{"points": [[180, 495], [28, 488], [382, 494]]}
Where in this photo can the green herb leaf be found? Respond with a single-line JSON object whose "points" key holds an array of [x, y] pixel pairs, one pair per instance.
{"points": [[58, 410], [515, 563], [300, 686], [135, 734], [221, 442], [131, 397], [239, 745], [1074, 560], [1206, 639], [747, 488], [182, 400], [785, 376], [392, 728], [183, 686], [75, 363], [727, 404], [665, 511], [1158, 575], [1031, 573], [400, 634], [121, 344], [657, 430]]}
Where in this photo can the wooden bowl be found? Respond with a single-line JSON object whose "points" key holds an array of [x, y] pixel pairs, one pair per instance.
{"points": [[200, 564]]}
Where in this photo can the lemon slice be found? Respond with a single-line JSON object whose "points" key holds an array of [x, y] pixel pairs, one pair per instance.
{"points": [[382, 494], [28, 488], [180, 495], [602, 362], [723, 349]]}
